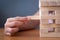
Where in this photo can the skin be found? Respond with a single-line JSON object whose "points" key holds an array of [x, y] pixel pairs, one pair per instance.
{"points": [[20, 23]]}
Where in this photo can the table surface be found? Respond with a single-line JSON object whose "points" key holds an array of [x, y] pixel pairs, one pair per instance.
{"points": [[49, 38], [26, 35], [23, 35]]}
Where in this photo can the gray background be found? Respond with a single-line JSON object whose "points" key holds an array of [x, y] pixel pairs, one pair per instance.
{"points": [[12, 8]]}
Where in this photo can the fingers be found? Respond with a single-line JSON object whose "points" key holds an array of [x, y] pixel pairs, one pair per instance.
{"points": [[13, 24], [16, 19], [9, 24], [11, 19], [10, 31], [21, 18]]}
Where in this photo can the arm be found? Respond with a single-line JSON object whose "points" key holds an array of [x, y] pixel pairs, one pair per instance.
{"points": [[21, 23]]}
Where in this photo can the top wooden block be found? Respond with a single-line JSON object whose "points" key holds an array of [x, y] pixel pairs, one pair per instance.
{"points": [[50, 2]]}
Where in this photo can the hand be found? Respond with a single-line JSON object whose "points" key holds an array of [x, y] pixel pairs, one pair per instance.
{"points": [[12, 25], [15, 24]]}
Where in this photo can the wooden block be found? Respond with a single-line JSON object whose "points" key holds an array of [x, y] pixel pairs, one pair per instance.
{"points": [[46, 30], [48, 17], [44, 21], [48, 25], [33, 17], [58, 25], [57, 21], [47, 11], [44, 11], [48, 3], [43, 30], [58, 12], [57, 29], [57, 17], [49, 0], [47, 21], [52, 3], [44, 3], [58, 3], [52, 35], [51, 29], [50, 8], [44, 26]]}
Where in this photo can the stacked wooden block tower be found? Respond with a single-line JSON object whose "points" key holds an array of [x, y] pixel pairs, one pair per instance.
{"points": [[50, 18]]}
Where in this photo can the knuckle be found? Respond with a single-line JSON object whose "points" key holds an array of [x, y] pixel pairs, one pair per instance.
{"points": [[15, 22], [8, 19]]}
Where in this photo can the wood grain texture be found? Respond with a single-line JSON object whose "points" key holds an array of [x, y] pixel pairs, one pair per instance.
{"points": [[49, 38], [23, 35], [50, 2]]}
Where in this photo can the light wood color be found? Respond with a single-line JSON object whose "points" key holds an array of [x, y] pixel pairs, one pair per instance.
{"points": [[57, 21], [50, 2], [45, 16], [36, 17], [49, 38], [48, 21], [49, 25], [45, 11], [44, 21], [23, 35], [50, 10], [48, 17]]}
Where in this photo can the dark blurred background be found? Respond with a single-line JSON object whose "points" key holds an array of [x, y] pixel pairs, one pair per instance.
{"points": [[12, 8]]}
